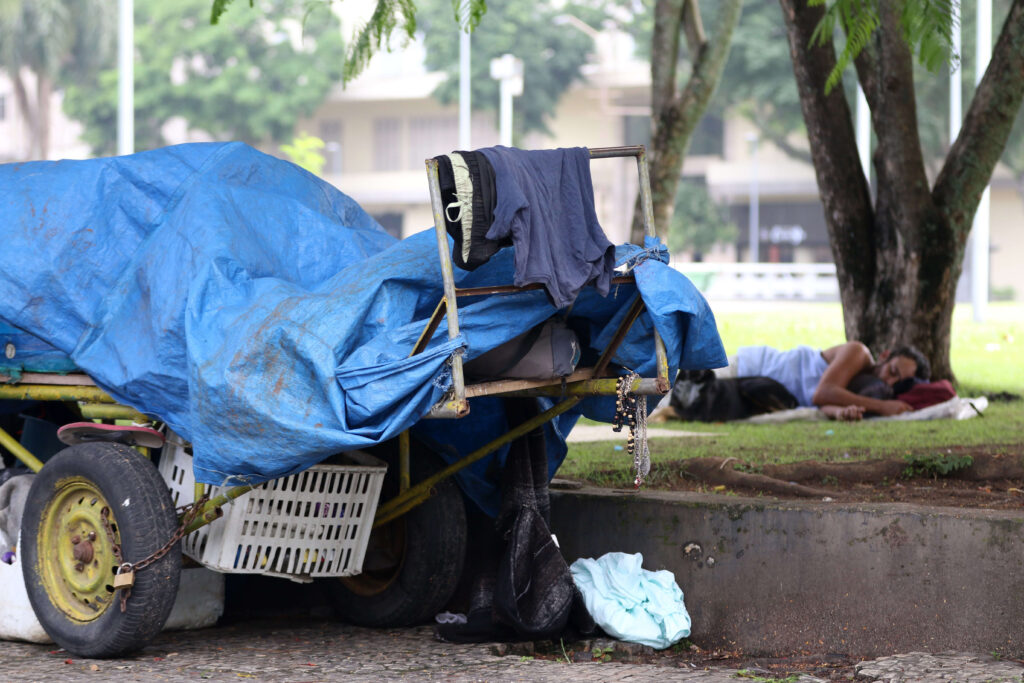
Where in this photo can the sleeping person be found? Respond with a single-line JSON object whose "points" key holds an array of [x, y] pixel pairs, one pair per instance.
{"points": [[844, 381]]}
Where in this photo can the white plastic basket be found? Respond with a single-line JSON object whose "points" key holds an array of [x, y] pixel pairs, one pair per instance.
{"points": [[309, 525]]}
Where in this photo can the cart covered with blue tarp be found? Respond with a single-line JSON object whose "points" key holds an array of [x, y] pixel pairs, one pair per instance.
{"points": [[267, 319]]}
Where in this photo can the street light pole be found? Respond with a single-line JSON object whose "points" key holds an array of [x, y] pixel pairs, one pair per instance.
{"points": [[508, 71], [465, 119], [980, 230], [755, 199]]}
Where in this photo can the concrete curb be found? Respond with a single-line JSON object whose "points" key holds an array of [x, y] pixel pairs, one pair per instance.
{"points": [[774, 578]]}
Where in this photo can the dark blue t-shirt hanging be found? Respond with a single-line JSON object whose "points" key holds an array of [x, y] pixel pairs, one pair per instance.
{"points": [[546, 205]]}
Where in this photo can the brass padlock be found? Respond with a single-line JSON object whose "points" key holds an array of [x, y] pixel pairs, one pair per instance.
{"points": [[125, 577]]}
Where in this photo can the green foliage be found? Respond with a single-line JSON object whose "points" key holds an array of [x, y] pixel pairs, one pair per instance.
{"points": [[934, 465], [376, 34], [552, 55], [758, 77], [602, 654], [304, 151], [927, 26], [250, 77], [698, 222], [219, 8]]}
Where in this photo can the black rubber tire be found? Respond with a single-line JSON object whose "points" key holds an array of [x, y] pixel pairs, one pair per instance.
{"points": [[144, 514], [423, 551]]}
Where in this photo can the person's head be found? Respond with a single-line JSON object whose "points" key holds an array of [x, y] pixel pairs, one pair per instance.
{"points": [[903, 363]]}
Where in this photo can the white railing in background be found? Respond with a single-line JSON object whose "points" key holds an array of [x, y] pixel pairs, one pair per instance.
{"points": [[803, 281]]}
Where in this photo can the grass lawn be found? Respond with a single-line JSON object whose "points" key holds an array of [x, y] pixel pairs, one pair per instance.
{"points": [[987, 358]]}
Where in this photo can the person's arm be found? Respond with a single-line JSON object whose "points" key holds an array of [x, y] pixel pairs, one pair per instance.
{"points": [[843, 413], [844, 362]]}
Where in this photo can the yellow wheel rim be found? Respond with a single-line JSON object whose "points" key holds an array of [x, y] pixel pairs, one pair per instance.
{"points": [[76, 560]]}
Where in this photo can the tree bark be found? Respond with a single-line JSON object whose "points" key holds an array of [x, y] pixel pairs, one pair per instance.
{"points": [[676, 114], [44, 92], [899, 261], [26, 111], [916, 267], [849, 216]]}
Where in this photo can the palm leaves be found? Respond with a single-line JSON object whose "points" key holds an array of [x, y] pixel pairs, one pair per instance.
{"points": [[47, 38], [927, 27]]}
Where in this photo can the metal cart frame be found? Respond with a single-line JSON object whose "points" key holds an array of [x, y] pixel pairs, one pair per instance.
{"points": [[80, 392]]}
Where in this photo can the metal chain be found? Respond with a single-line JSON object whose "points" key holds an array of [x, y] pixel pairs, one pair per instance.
{"points": [[631, 411], [188, 514]]}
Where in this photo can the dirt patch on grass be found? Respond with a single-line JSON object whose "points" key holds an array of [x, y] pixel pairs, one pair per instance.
{"points": [[973, 477]]}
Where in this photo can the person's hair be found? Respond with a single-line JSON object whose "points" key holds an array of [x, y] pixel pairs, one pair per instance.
{"points": [[924, 368]]}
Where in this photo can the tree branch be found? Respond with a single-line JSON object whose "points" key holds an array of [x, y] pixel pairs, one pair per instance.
{"points": [[903, 194], [676, 116], [986, 128], [668, 19], [693, 25]]}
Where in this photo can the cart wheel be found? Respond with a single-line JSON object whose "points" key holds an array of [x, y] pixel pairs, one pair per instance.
{"points": [[413, 564], [68, 553]]}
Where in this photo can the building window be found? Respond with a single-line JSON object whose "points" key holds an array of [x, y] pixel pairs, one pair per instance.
{"points": [[636, 130], [783, 228], [709, 137], [387, 145], [390, 221], [330, 133], [430, 136]]}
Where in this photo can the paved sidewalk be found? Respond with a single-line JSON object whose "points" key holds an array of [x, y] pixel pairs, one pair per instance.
{"points": [[324, 651]]}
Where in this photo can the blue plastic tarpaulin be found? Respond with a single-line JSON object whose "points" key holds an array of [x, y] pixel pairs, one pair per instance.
{"points": [[268, 319]]}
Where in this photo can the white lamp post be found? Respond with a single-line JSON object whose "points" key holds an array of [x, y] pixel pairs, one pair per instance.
{"points": [[980, 231], [465, 119], [508, 71], [755, 198], [125, 77]]}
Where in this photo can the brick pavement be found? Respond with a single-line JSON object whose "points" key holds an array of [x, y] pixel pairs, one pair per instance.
{"points": [[278, 652]]}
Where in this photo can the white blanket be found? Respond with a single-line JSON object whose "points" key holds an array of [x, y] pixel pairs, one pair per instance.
{"points": [[955, 409]]}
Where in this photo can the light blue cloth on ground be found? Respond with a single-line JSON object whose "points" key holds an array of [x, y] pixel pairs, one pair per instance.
{"points": [[799, 369], [631, 603]]}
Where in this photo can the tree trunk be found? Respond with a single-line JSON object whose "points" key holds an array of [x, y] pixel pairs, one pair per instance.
{"points": [[898, 262], [27, 113], [44, 92], [844, 191], [676, 114]]}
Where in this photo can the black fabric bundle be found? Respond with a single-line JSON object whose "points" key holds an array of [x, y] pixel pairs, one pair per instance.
{"points": [[483, 200], [526, 591]]}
